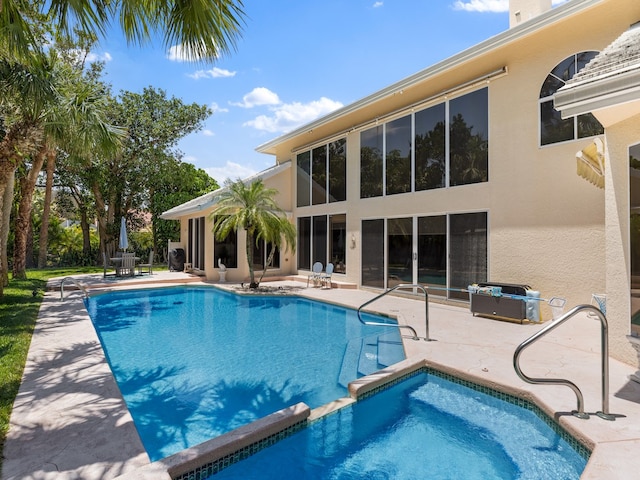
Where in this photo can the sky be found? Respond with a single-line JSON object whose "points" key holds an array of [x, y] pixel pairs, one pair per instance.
{"points": [[297, 60]]}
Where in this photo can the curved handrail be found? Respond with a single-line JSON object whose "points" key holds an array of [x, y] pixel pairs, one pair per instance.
{"points": [[76, 283], [580, 413], [409, 327]]}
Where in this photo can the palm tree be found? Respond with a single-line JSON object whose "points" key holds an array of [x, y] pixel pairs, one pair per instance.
{"points": [[73, 119], [203, 29], [252, 208]]}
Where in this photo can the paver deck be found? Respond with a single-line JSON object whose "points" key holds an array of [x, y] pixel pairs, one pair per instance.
{"points": [[69, 420]]}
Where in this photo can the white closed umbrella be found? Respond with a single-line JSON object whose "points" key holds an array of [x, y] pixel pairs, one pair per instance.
{"points": [[124, 241]]}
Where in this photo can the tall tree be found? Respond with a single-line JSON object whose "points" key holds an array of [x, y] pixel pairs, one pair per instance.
{"points": [[46, 211], [253, 209], [24, 94], [120, 183], [23, 218], [74, 119], [176, 183]]}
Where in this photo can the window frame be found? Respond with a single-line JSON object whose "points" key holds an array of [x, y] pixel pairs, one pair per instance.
{"points": [[314, 166], [375, 138], [576, 63]]}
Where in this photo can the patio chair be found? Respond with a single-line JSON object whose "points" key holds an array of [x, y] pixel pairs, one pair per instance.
{"points": [[107, 266], [127, 266], [146, 267], [316, 270], [325, 278]]}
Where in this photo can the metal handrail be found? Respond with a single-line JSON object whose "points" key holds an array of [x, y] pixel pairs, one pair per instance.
{"points": [[77, 284], [580, 413], [397, 287]]}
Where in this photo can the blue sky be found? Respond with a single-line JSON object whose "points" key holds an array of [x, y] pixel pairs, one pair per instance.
{"points": [[298, 60]]}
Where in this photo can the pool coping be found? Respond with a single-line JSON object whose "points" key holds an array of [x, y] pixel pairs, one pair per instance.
{"points": [[207, 458]]}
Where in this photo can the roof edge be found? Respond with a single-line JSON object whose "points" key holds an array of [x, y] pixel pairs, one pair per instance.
{"points": [[210, 198], [596, 94]]}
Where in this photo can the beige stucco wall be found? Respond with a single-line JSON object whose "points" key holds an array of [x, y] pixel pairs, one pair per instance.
{"points": [[619, 137]]}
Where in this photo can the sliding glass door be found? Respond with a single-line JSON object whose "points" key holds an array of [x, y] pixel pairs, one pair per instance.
{"points": [[432, 252], [634, 236], [444, 252], [373, 253], [468, 247], [399, 251]]}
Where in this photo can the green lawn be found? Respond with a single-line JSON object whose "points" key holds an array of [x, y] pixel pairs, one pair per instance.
{"points": [[18, 312]]}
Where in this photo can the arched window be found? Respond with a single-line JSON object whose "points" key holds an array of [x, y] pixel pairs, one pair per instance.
{"points": [[553, 128]]}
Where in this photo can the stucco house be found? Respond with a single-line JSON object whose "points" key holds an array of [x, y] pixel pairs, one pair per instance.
{"points": [[508, 162]]}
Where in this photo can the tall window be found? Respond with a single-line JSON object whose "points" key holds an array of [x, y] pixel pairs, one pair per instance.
{"points": [[468, 251], [338, 242], [319, 243], [468, 139], [304, 243], [319, 175], [303, 163], [634, 236], [338, 171], [322, 238], [399, 251], [430, 148], [261, 252], [432, 250], [322, 174], [398, 155], [227, 251], [403, 161], [373, 254], [195, 253], [371, 162], [553, 128]]}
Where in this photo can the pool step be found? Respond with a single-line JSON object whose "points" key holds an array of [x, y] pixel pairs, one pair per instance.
{"points": [[348, 369], [390, 349], [364, 356], [368, 361]]}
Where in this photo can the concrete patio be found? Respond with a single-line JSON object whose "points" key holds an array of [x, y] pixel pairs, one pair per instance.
{"points": [[70, 421]]}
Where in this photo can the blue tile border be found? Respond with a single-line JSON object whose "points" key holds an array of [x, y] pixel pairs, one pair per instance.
{"points": [[214, 467]]}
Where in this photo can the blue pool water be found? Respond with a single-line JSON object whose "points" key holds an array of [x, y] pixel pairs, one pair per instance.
{"points": [[193, 363], [423, 427]]}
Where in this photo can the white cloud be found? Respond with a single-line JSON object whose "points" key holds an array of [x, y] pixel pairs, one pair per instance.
{"points": [[377, 4], [482, 5], [215, 72], [180, 53], [488, 5], [94, 57], [230, 170], [177, 53], [217, 108], [287, 116], [208, 133], [258, 96]]}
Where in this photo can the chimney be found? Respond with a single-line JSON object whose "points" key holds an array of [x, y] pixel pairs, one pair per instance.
{"points": [[523, 10]]}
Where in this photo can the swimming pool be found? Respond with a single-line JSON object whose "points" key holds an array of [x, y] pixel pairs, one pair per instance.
{"points": [[425, 426], [195, 362]]}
